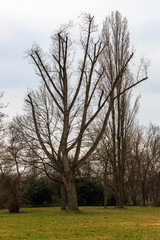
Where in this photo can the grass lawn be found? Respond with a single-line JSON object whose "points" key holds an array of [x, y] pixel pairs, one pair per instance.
{"points": [[89, 223]]}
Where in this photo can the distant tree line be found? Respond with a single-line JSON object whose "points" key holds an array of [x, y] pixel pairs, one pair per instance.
{"points": [[78, 142]]}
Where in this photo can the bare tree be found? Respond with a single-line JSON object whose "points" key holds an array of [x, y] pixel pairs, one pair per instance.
{"points": [[15, 152], [2, 132], [116, 37], [59, 114], [147, 157], [102, 166]]}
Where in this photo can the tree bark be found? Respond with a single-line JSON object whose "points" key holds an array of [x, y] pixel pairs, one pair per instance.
{"points": [[63, 197], [143, 195], [71, 193], [105, 195]]}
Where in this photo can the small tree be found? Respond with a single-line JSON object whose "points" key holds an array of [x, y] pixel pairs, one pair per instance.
{"points": [[10, 192]]}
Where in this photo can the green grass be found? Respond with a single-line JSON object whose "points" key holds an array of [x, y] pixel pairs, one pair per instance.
{"points": [[89, 223]]}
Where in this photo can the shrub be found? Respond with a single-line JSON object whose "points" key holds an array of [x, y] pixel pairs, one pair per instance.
{"points": [[37, 192], [89, 193]]}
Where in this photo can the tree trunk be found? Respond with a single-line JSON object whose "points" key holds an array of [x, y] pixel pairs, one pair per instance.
{"points": [[63, 197], [105, 195], [71, 192], [105, 184], [120, 195], [119, 201], [143, 196], [133, 198]]}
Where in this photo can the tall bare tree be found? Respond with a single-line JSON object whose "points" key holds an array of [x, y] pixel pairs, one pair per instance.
{"points": [[70, 99], [117, 51]]}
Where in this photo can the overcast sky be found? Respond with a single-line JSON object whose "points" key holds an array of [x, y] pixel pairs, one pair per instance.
{"points": [[23, 22]]}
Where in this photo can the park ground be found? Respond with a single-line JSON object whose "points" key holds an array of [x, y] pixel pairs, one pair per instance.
{"points": [[90, 223]]}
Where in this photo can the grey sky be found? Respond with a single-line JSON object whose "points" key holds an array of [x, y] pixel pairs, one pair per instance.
{"points": [[23, 22]]}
